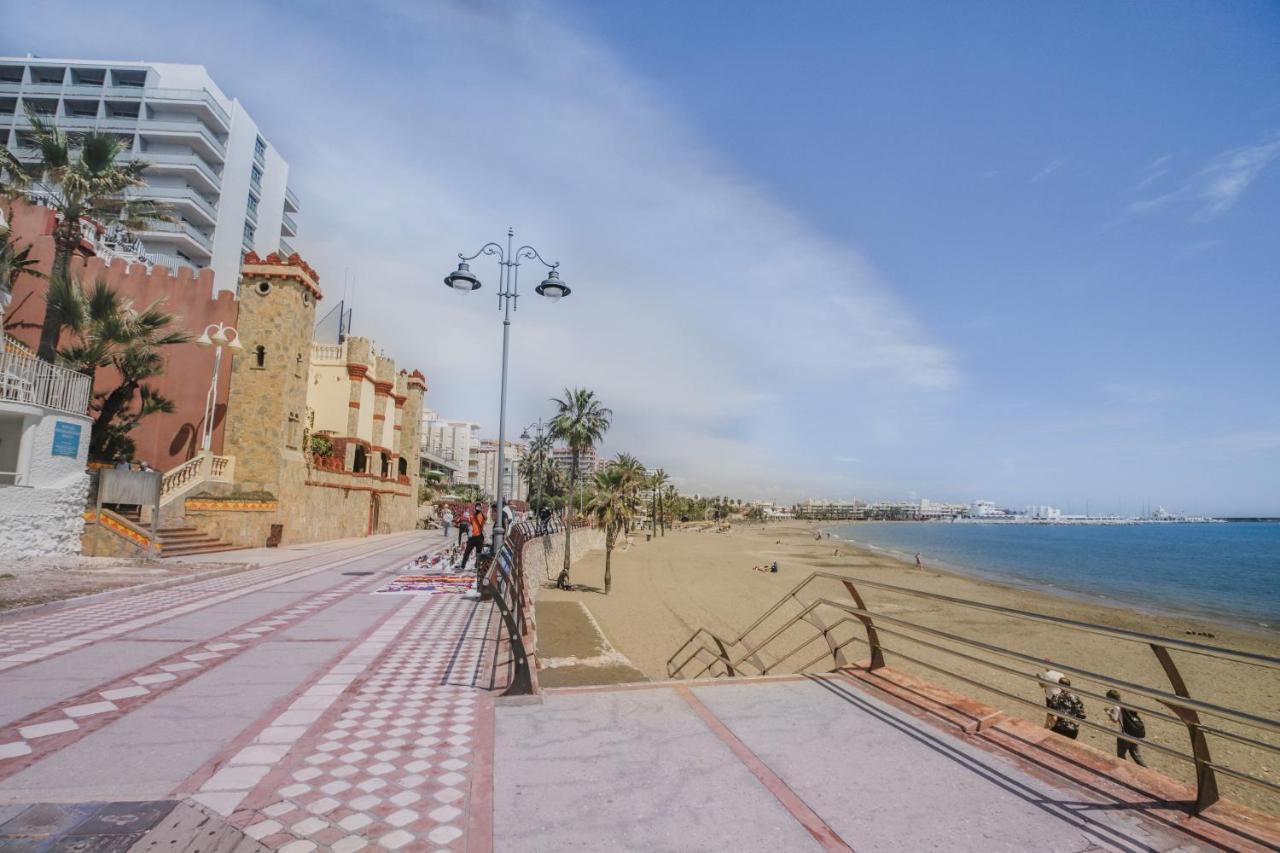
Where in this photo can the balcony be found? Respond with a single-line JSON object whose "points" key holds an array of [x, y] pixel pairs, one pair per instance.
{"points": [[290, 201], [29, 381], [288, 227], [190, 166], [185, 200], [187, 97], [286, 249], [186, 131], [328, 353], [183, 231]]}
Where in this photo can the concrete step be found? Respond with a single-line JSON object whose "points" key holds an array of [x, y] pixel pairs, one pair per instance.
{"points": [[202, 548]]}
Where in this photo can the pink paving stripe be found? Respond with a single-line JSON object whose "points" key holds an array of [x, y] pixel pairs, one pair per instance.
{"points": [[57, 727], [807, 817], [44, 636]]}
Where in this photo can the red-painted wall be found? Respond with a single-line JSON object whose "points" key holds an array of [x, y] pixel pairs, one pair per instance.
{"points": [[164, 440]]}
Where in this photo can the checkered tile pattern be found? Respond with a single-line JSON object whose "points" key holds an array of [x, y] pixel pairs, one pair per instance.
{"points": [[390, 765], [37, 637]]}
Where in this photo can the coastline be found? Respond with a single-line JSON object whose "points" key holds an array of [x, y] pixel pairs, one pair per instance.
{"points": [[1014, 582], [666, 588]]}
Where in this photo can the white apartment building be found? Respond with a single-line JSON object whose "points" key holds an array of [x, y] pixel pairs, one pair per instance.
{"points": [[513, 485], [226, 183], [589, 461], [456, 442]]}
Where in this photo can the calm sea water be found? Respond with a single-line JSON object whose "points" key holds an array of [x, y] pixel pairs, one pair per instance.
{"points": [[1227, 571]]}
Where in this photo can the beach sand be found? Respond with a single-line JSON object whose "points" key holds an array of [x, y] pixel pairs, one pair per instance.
{"points": [[665, 588]]}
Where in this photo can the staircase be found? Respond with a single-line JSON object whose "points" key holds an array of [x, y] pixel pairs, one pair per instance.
{"points": [[183, 540]]}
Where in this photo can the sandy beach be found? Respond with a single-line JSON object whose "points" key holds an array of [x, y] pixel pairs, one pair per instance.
{"points": [[666, 588]]}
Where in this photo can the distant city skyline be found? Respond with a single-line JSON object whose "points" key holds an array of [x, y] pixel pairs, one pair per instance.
{"points": [[1015, 251]]}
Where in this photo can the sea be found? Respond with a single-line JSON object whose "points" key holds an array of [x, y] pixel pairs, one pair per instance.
{"points": [[1224, 571]]}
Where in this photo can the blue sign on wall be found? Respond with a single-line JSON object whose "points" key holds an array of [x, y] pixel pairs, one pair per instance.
{"points": [[66, 439]]}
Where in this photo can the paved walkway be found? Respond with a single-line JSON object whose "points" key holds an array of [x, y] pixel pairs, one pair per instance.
{"points": [[286, 705], [801, 764]]}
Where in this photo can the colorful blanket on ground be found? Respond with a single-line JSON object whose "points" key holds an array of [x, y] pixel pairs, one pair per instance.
{"points": [[431, 584]]}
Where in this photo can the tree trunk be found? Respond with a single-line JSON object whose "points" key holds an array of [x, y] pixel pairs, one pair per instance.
{"points": [[608, 562], [563, 580], [66, 238], [114, 403]]}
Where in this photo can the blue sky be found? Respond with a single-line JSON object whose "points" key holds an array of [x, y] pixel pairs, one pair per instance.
{"points": [[1025, 253]]}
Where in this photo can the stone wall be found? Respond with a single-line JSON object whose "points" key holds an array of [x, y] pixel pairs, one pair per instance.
{"points": [[46, 515], [544, 556]]}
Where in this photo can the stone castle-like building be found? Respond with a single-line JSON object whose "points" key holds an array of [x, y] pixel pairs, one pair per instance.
{"points": [[324, 437]]}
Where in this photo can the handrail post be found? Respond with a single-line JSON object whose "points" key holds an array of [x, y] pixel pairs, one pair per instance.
{"points": [[1206, 779], [873, 639], [724, 657]]}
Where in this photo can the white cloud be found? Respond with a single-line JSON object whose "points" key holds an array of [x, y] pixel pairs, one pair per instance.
{"points": [[702, 309], [1216, 188]]}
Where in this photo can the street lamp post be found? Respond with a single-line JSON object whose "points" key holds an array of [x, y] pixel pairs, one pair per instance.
{"points": [[465, 281], [223, 336], [541, 427]]}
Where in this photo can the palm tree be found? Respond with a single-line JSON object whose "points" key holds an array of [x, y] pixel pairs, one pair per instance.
{"points": [[81, 178], [657, 483], [669, 501], [15, 261], [580, 422], [535, 467], [110, 332], [611, 504], [634, 474]]}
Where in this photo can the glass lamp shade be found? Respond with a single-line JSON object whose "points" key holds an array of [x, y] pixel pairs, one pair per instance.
{"points": [[462, 279], [235, 342], [204, 340], [220, 338], [552, 287]]}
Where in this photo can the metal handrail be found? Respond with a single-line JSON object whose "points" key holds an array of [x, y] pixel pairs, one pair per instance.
{"points": [[719, 657]]}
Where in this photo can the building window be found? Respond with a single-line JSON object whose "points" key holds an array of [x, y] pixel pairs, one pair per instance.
{"points": [[263, 287], [297, 367], [249, 231], [259, 149], [361, 460], [253, 203], [293, 436], [260, 356], [255, 178], [404, 467]]}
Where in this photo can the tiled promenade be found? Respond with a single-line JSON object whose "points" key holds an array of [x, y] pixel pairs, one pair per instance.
{"points": [[289, 708]]}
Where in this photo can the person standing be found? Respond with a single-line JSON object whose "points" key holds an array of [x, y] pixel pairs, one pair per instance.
{"points": [[508, 516], [919, 562], [447, 521], [464, 522], [1131, 726], [1071, 709], [475, 539]]}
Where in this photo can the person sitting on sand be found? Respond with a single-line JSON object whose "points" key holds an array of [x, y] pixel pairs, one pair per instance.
{"points": [[1070, 704], [1131, 726]]}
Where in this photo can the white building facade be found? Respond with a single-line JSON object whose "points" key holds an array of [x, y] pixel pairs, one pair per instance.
{"points": [[209, 161], [456, 442], [514, 486], [44, 449]]}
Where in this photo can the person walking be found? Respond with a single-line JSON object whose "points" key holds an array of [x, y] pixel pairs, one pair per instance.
{"points": [[1070, 706], [475, 541], [447, 521], [1131, 726]]}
